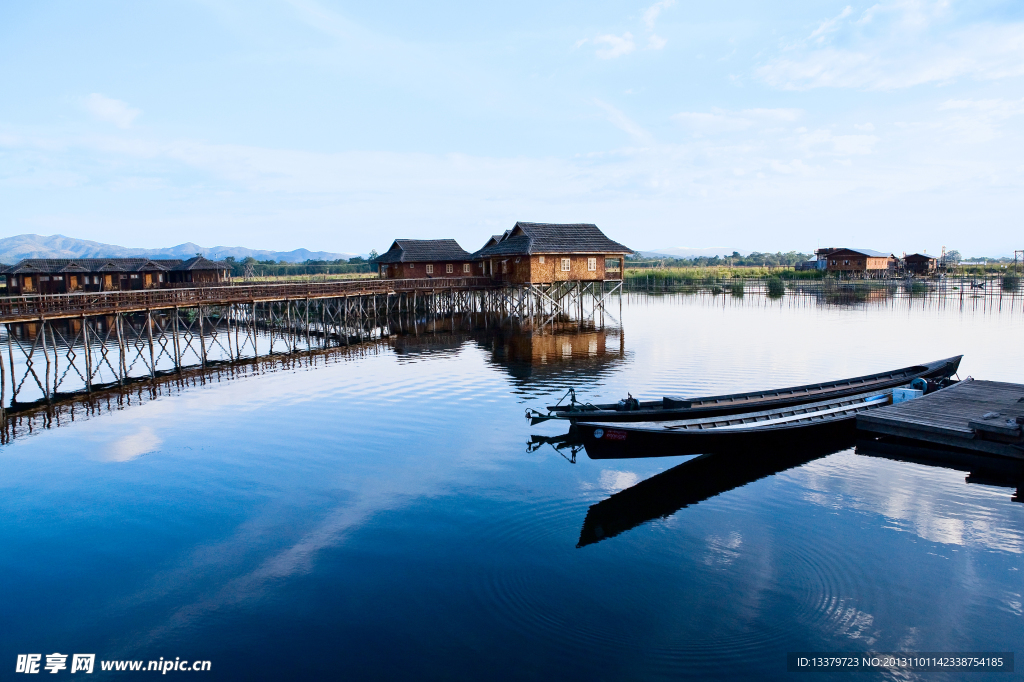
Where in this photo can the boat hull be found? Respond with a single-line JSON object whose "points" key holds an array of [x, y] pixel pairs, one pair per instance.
{"points": [[745, 402], [774, 428], [627, 444]]}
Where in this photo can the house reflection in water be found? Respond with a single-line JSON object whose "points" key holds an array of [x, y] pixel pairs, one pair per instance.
{"points": [[555, 351]]}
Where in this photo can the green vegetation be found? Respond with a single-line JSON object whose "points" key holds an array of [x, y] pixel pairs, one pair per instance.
{"points": [[269, 268], [755, 259], [1011, 282], [736, 288], [775, 287]]}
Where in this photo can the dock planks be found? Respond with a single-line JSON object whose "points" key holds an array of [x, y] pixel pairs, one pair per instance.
{"points": [[945, 417]]}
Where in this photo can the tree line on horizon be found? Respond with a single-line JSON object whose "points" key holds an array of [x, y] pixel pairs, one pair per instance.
{"points": [[341, 266]]}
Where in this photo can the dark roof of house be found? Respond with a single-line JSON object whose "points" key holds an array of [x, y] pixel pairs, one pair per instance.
{"points": [[57, 265], [194, 263], [424, 250], [529, 238], [920, 255], [864, 252]]}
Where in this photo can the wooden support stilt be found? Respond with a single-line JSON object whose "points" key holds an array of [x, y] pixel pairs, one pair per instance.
{"points": [[10, 355], [202, 336], [149, 333], [3, 387], [122, 360], [177, 343], [46, 354], [87, 350]]}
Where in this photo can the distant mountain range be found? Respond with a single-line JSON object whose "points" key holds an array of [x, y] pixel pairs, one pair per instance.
{"points": [[13, 249]]}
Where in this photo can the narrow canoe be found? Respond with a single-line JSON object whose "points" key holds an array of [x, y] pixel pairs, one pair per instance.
{"points": [[781, 426], [670, 408]]}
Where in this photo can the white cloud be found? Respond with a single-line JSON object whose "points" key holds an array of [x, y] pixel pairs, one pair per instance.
{"points": [[614, 481], [720, 120], [946, 160], [624, 123], [829, 25], [655, 42], [111, 110], [652, 12], [898, 45], [617, 45], [131, 446], [839, 144]]}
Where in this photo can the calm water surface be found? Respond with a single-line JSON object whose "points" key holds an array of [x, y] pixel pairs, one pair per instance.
{"points": [[381, 517]]}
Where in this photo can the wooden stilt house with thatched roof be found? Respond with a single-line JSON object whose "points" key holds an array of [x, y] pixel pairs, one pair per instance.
{"points": [[548, 252]]}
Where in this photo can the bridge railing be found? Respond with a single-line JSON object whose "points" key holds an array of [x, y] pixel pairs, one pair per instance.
{"points": [[38, 306]]}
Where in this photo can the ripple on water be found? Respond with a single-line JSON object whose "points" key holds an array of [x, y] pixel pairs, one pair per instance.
{"points": [[821, 583]]}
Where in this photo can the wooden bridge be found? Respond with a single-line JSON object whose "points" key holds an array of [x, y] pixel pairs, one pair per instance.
{"points": [[61, 345], [63, 306]]}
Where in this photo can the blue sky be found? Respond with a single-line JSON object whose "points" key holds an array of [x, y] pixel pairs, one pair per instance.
{"points": [[340, 126]]}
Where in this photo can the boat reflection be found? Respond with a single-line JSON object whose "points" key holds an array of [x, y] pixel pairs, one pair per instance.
{"points": [[706, 476], [690, 483], [563, 444]]}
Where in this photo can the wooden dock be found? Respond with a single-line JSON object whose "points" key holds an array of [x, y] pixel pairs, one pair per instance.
{"points": [[977, 416]]}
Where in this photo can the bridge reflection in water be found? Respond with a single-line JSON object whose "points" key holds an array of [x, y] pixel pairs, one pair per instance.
{"points": [[86, 380]]}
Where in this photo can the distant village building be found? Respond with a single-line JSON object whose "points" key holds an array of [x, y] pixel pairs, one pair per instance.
{"points": [[544, 253], [921, 263], [67, 275], [858, 262], [810, 265], [419, 258]]}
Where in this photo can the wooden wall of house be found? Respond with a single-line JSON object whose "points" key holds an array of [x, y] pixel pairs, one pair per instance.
{"points": [[522, 269], [551, 269], [419, 270], [837, 262]]}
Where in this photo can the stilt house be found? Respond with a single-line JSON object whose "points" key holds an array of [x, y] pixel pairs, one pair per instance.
{"points": [[921, 263], [860, 262], [418, 258], [66, 275], [545, 253]]}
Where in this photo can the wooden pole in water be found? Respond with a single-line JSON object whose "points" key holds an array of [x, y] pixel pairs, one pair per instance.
{"points": [[10, 355], [149, 334], [288, 321], [88, 355], [3, 388], [42, 330], [121, 368], [56, 360], [177, 344], [202, 340]]}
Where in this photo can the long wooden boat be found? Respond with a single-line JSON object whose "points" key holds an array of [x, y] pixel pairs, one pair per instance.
{"points": [[670, 408], [778, 427]]}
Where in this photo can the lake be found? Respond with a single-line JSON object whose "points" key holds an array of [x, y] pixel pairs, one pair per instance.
{"points": [[380, 514]]}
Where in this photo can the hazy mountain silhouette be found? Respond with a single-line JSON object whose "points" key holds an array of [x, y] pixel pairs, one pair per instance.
{"points": [[13, 249]]}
